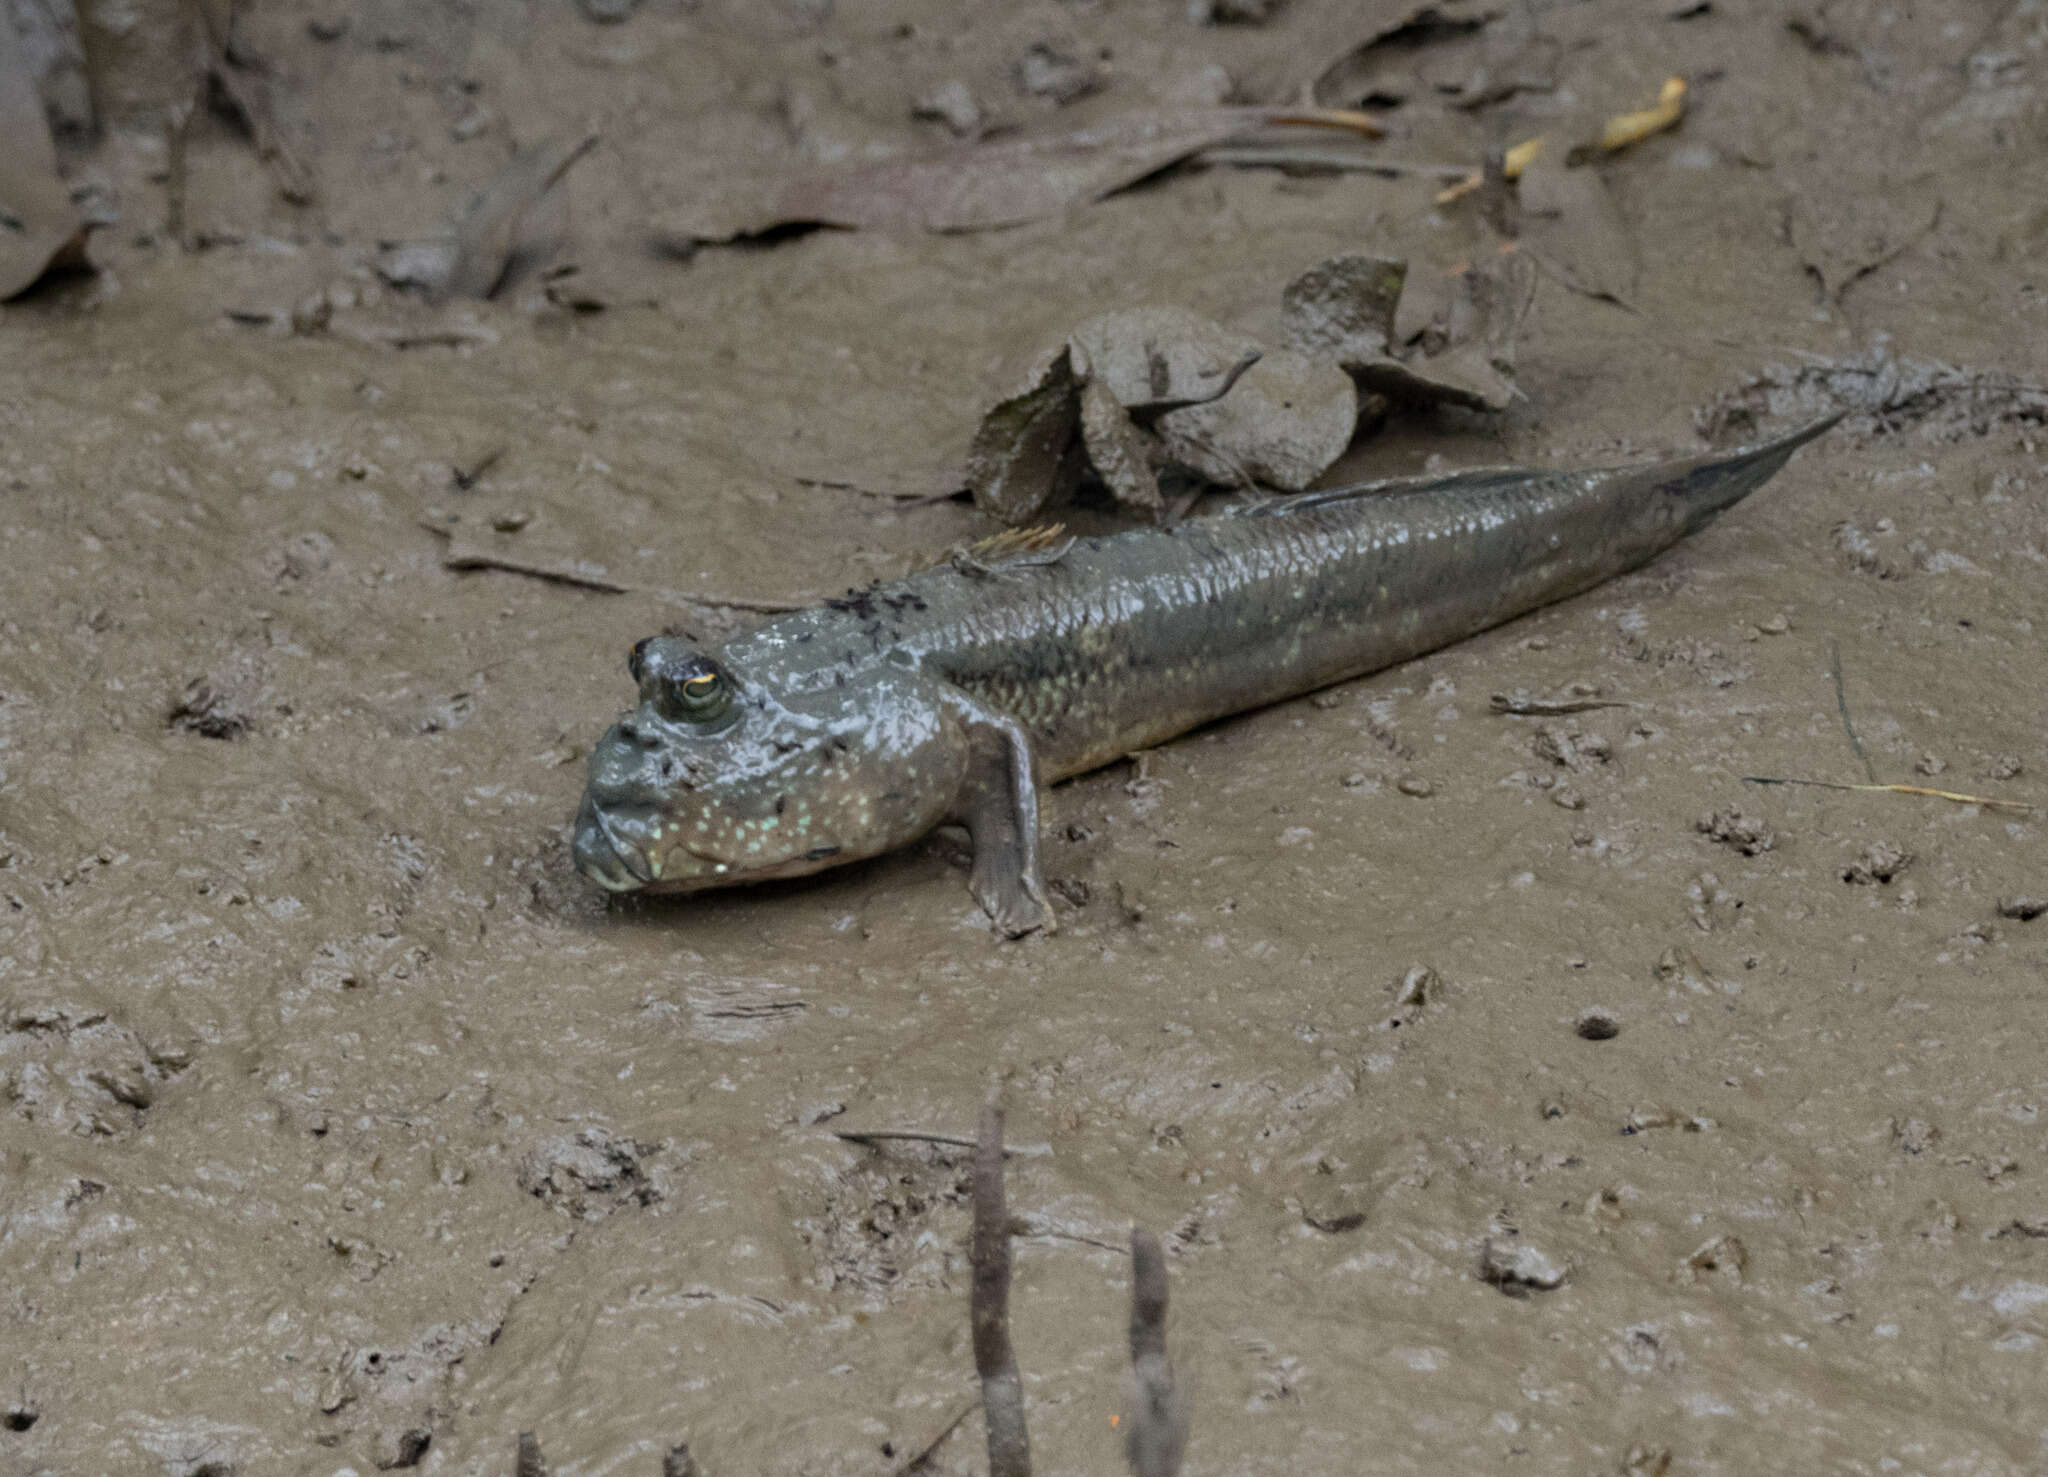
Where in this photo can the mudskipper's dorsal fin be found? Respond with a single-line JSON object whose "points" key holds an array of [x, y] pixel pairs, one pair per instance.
{"points": [[1711, 479], [1014, 548]]}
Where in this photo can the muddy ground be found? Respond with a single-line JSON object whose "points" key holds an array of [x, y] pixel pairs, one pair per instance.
{"points": [[342, 1126]]}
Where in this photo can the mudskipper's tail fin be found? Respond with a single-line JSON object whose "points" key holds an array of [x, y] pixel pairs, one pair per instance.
{"points": [[1716, 481]]}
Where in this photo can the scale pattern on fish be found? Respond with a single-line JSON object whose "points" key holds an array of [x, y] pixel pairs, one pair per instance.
{"points": [[953, 695]]}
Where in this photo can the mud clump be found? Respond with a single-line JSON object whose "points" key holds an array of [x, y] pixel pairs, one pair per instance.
{"points": [[74, 1067], [593, 1172], [1746, 833], [1519, 1269], [1877, 866], [874, 1232]]}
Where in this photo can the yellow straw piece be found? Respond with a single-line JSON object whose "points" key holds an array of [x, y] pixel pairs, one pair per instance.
{"points": [[1633, 128], [1621, 131], [1512, 163], [1960, 799], [1348, 119]]}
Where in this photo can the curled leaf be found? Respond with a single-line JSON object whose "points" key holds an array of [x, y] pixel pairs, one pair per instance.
{"points": [[39, 227], [1027, 451], [1286, 419], [1157, 357], [979, 186], [1413, 336]]}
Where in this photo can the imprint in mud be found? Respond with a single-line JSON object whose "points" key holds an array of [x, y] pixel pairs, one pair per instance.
{"points": [[73, 1066], [593, 1172], [895, 1221]]}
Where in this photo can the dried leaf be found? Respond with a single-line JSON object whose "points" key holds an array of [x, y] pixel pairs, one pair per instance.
{"points": [[242, 78], [1282, 424], [39, 227], [1343, 308], [1570, 222], [48, 34], [1156, 358], [1862, 230], [1420, 336], [976, 187], [493, 225], [1028, 447], [1514, 58], [1351, 47], [1120, 452]]}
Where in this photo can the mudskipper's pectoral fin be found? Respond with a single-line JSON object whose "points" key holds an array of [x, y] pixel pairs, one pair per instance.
{"points": [[999, 806]]}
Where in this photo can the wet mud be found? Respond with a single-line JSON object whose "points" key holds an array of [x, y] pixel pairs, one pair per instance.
{"points": [[1514, 1085]]}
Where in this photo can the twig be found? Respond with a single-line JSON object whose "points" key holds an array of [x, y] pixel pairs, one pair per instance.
{"points": [[1002, 1388], [1517, 706], [177, 137], [1281, 156], [1842, 707], [529, 1462], [833, 485], [888, 1135], [466, 477], [1349, 119], [1158, 1427], [460, 556], [924, 1453], [1958, 798], [248, 90], [1145, 415]]}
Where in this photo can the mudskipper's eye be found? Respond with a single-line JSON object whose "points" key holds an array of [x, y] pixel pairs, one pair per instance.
{"points": [[704, 696], [696, 693], [682, 684]]}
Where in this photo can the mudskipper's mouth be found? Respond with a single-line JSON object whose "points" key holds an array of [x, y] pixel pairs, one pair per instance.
{"points": [[602, 856], [623, 852]]}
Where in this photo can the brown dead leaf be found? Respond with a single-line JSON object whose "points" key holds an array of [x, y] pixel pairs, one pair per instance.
{"points": [[1027, 450], [1425, 336], [494, 224], [1155, 358], [1348, 52], [1141, 388], [1344, 308], [39, 228], [244, 79], [975, 187], [48, 34], [1571, 224], [1862, 230], [1120, 453], [1286, 419]]}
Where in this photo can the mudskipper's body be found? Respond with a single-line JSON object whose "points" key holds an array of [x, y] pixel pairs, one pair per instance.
{"points": [[855, 727]]}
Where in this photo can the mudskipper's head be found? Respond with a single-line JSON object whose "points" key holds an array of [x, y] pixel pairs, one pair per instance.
{"points": [[716, 778]]}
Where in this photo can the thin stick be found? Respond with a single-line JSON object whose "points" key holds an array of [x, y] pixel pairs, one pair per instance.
{"points": [[461, 556], [1158, 1428], [1958, 798], [924, 1453], [1842, 707], [887, 1135], [831, 485], [1281, 156], [1002, 1388], [1348, 119]]}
